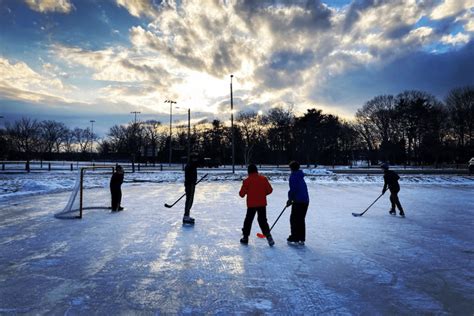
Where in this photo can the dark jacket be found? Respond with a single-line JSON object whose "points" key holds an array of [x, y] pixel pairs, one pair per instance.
{"points": [[190, 174], [298, 190], [390, 179], [116, 180]]}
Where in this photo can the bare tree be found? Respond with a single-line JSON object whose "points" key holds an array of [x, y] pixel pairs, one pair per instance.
{"points": [[252, 128], [151, 130], [460, 103], [414, 110], [82, 137], [67, 141], [378, 125], [24, 135], [280, 123], [52, 135]]}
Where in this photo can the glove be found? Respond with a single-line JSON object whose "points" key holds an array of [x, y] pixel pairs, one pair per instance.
{"points": [[384, 190], [288, 203]]}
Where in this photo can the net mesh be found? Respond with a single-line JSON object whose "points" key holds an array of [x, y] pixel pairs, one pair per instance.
{"points": [[92, 177]]}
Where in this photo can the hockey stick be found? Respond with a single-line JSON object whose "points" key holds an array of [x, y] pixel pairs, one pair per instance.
{"points": [[260, 235], [356, 214], [182, 196]]}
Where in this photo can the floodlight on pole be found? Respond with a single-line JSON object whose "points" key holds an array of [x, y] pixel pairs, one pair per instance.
{"points": [[135, 112]]}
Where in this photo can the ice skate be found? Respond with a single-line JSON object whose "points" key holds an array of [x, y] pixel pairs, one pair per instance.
{"points": [[402, 213], [301, 243], [392, 212], [270, 240], [188, 220], [291, 241], [244, 240]]}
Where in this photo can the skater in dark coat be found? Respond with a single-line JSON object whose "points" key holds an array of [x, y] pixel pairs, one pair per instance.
{"points": [[298, 198], [116, 188], [190, 178], [256, 187], [390, 179]]}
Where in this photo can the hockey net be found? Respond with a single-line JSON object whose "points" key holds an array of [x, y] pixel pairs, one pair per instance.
{"points": [[97, 176]]}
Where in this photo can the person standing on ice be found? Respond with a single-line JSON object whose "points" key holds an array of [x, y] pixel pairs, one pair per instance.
{"points": [[190, 178], [298, 198], [116, 188], [256, 187], [390, 179]]}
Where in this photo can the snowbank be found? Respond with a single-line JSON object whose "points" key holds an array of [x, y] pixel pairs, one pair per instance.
{"points": [[15, 185], [317, 171]]}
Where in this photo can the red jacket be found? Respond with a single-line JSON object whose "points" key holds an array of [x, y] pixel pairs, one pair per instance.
{"points": [[256, 187]]}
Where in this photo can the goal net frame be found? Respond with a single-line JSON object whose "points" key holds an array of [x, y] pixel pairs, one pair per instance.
{"points": [[79, 189]]}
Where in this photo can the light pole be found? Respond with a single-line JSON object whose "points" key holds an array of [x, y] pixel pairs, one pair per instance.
{"points": [[232, 123], [189, 134], [171, 102], [92, 133], [135, 112], [134, 139]]}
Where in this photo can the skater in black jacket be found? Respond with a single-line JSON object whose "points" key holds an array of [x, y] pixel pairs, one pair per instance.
{"points": [[116, 188], [190, 178], [391, 182]]}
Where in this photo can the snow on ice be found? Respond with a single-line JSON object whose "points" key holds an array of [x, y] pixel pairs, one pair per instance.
{"points": [[142, 260]]}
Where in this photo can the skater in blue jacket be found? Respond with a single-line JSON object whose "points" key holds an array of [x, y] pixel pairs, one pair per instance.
{"points": [[298, 198]]}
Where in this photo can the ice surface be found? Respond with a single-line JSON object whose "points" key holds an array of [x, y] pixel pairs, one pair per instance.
{"points": [[142, 260]]}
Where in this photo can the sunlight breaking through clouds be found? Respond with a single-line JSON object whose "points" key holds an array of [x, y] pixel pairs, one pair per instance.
{"points": [[280, 52]]}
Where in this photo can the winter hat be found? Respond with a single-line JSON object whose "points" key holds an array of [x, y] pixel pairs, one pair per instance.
{"points": [[252, 168], [384, 166], [294, 165]]}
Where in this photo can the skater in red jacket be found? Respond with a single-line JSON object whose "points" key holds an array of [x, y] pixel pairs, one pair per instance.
{"points": [[256, 187]]}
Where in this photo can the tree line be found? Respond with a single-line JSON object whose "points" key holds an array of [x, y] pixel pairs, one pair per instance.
{"points": [[413, 128]]}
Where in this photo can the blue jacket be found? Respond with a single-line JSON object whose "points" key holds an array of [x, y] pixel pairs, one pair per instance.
{"points": [[298, 189]]}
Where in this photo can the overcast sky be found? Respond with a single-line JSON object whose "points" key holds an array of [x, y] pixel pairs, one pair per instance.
{"points": [[77, 60]]}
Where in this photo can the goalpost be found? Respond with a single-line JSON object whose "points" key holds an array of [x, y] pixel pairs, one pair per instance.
{"points": [[75, 205]]}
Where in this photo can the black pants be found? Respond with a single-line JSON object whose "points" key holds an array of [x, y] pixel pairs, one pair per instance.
{"points": [[395, 201], [116, 198], [189, 190], [297, 221], [261, 217]]}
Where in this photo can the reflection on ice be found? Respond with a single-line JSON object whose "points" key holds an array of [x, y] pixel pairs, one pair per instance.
{"points": [[142, 261], [231, 264]]}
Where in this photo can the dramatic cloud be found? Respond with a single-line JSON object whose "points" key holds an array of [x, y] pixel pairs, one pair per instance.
{"points": [[19, 82], [449, 8], [436, 73], [114, 64], [456, 39], [139, 8], [44, 6], [282, 53]]}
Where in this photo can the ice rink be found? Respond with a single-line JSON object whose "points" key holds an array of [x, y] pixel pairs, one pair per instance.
{"points": [[142, 260]]}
